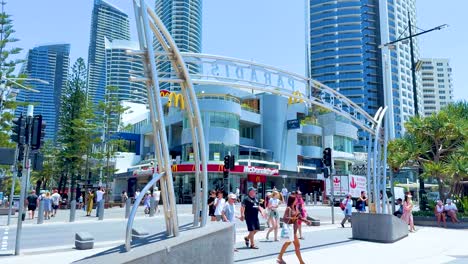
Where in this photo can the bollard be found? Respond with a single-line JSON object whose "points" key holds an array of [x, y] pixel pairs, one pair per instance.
{"points": [[101, 209], [152, 206], [72, 210], [40, 214], [315, 198], [128, 206]]}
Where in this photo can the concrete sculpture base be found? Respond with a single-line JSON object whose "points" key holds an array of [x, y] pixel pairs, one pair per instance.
{"points": [[381, 228]]}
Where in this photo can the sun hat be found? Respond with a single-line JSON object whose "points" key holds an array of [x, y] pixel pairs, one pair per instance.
{"points": [[232, 196]]}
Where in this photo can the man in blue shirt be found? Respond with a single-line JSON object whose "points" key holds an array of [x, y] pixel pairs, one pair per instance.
{"points": [[348, 209]]}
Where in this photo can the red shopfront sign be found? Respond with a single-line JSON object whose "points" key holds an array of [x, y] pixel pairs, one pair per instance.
{"points": [[181, 168]]}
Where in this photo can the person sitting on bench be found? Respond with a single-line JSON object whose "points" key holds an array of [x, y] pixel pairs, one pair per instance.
{"points": [[451, 210]]}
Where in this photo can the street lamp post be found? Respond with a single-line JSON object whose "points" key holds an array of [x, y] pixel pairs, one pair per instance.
{"points": [[415, 90]]}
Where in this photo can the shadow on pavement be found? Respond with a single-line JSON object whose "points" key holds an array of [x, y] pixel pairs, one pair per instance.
{"points": [[140, 242], [291, 250]]}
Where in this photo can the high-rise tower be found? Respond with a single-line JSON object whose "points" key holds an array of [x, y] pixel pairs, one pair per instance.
{"points": [[119, 66], [345, 54], [183, 19], [436, 84], [107, 21], [49, 63]]}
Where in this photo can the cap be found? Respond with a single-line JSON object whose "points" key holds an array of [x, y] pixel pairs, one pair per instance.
{"points": [[232, 196], [252, 189], [268, 193]]}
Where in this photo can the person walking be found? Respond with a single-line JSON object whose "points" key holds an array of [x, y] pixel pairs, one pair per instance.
{"points": [[348, 210], [80, 202], [219, 204], [157, 198], [361, 202], [123, 198], [147, 202], [32, 203], [56, 199], [99, 199], [229, 213], [249, 212], [211, 206], [47, 206], [302, 210], [89, 203], [290, 218], [273, 215], [407, 215]]}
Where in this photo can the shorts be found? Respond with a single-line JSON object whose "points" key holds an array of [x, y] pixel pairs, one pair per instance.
{"points": [[273, 214], [219, 218], [31, 208], [55, 206], [252, 224]]}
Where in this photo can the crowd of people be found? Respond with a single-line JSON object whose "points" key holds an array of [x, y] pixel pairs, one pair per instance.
{"points": [[251, 207]]}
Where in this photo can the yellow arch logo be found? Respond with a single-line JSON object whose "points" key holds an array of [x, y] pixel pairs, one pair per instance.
{"points": [[293, 100], [175, 99]]}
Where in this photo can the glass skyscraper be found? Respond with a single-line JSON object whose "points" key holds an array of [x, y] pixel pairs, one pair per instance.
{"points": [[119, 66], [107, 21], [183, 20], [49, 63], [345, 54]]}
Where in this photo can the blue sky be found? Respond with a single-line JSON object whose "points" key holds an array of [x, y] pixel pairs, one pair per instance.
{"points": [[266, 31]]}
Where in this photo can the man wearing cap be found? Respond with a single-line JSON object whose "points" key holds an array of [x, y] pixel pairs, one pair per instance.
{"points": [[451, 210], [249, 212]]}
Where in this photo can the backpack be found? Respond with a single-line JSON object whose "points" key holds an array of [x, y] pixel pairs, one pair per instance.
{"points": [[343, 205]]}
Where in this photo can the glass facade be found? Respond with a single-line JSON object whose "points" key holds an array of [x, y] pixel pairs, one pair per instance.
{"points": [[309, 140], [107, 22], [343, 144], [217, 119], [49, 63]]}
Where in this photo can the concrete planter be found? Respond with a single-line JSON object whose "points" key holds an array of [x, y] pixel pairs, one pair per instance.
{"points": [[381, 228]]}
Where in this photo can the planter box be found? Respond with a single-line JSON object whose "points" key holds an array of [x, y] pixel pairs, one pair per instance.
{"points": [[432, 221], [383, 228]]}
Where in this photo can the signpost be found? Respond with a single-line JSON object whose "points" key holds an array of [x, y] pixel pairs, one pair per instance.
{"points": [[293, 124]]}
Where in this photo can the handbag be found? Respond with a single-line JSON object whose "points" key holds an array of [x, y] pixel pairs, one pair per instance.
{"points": [[285, 230]]}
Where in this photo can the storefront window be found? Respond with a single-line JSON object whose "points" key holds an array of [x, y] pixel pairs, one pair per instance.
{"points": [[344, 144], [219, 150], [309, 140], [217, 119]]}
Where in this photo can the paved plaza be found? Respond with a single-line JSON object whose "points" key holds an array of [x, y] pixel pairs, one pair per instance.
{"points": [[328, 243]]}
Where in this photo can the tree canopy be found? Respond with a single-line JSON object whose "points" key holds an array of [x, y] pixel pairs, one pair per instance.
{"points": [[437, 144]]}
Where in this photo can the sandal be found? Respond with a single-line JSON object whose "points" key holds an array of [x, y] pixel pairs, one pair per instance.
{"points": [[280, 261], [253, 247]]}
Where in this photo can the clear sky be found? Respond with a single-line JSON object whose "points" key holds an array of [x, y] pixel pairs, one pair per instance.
{"points": [[266, 31]]}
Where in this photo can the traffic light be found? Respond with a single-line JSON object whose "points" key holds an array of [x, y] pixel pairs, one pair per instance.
{"points": [[232, 161], [225, 173], [327, 157], [37, 132], [20, 153], [19, 130], [226, 162], [326, 173]]}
